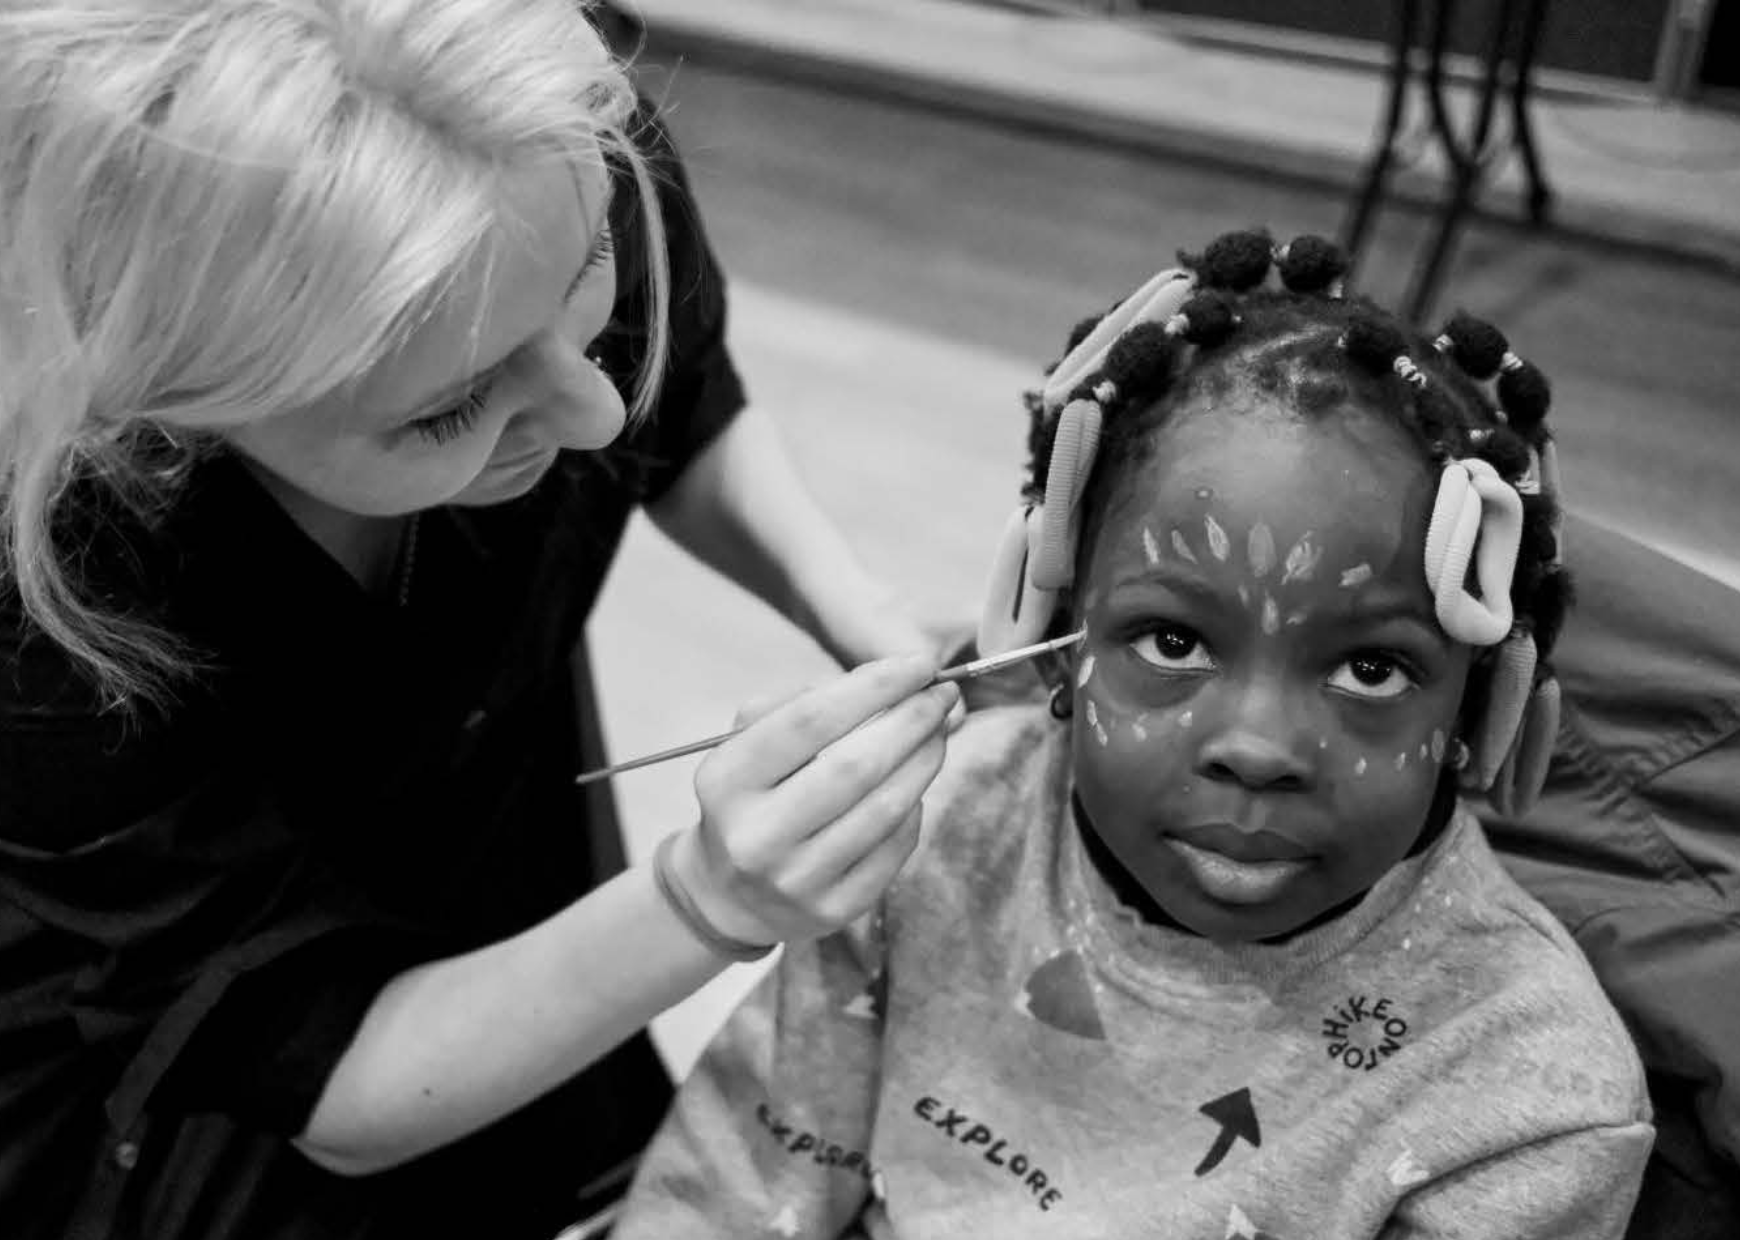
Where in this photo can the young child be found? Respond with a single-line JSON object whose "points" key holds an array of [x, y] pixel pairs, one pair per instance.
{"points": [[1209, 949]]}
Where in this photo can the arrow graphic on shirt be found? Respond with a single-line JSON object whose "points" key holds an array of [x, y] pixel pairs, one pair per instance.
{"points": [[1237, 1118]]}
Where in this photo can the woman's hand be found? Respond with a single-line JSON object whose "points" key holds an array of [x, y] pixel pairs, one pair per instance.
{"points": [[808, 814]]}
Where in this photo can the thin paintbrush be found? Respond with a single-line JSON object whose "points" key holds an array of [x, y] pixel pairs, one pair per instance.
{"points": [[963, 671]]}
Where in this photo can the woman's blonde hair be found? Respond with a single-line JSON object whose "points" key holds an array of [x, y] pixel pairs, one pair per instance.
{"points": [[212, 211]]}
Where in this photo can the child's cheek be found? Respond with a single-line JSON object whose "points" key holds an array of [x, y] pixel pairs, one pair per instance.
{"points": [[1414, 760]]}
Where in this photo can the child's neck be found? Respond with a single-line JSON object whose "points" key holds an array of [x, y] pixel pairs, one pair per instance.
{"points": [[1133, 895]]}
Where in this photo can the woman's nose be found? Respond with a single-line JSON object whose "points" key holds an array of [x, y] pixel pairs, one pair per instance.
{"points": [[573, 396], [1251, 737]]}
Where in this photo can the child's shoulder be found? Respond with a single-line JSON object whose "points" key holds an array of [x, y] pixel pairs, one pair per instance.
{"points": [[1505, 962], [1006, 770]]}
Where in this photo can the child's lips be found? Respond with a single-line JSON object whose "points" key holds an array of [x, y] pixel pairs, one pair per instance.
{"points": [[1241, 845], [1232, 880]]}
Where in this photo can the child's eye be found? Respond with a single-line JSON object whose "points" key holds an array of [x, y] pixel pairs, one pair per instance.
{"points": [[1371, 676], [449, 425], [1173, 648]]}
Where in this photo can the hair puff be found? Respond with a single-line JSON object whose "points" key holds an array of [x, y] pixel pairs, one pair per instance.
{"points": [[1373, 342], [1310, 264], [1140, 359], [1525, 396], [1475, 345], [1211, 317], [1235, 260], [1506, 451]]}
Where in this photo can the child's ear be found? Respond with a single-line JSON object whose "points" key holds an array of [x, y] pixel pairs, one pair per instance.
{"points": [[1058, 667]]}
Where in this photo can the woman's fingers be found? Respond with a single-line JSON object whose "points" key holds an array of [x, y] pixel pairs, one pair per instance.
{"points": [[780, 856], [862, 762], [792, 734], [882, 814]]}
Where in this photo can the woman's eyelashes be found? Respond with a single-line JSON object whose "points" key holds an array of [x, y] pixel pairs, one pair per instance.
{"points": [[450, 424]]}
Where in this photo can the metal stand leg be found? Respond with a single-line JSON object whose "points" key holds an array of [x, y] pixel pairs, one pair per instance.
{"points": [[1516, 21], [1353, 234]]}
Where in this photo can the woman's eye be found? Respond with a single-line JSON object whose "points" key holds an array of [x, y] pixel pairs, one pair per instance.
{"points": [[447, 426], [1371, 676], [1173, 648]]}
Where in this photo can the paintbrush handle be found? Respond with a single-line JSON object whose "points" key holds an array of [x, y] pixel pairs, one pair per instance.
{"points": [[961, 671]]}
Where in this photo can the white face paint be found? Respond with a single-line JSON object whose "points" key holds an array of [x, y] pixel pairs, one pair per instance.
{"points": [[1086, 670], [1358, 575], [1186, 719], [1302, 560], [1401, 759], [1260, 547], [1297, 617], [1359, 767], [1271, 616], [1437, 745], [1150, 548], [1182, 547], [1218, 543]]}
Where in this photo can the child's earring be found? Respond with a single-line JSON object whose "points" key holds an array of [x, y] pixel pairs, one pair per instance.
{"points": [[1460, 754], [1062, 702]]}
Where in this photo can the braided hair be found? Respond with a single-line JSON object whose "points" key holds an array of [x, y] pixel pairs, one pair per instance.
{"points": [[1319, 353]]}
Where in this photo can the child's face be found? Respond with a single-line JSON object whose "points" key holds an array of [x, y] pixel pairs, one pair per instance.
{"points": [[1264, 701]]}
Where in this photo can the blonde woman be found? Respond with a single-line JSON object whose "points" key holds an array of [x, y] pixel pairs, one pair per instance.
{"points": [[315, 317]]}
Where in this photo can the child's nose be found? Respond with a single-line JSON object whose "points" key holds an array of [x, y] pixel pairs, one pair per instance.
{"points": [[1253, 739]]}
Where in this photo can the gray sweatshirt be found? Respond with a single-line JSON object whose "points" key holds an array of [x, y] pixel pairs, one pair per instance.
{"points": [[1007, 1051]]}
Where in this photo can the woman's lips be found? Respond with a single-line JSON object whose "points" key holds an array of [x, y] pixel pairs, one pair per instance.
{"points": [[1232, 880]]}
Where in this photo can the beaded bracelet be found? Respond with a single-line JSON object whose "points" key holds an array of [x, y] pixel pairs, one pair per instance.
{"points": [[690, 914]]}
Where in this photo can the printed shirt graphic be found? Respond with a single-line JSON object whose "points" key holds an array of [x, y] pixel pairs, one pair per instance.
{"points": [[1438, 1061]]}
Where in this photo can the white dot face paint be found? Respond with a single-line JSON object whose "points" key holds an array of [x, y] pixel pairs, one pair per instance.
{"points": [[1358, 575], [1093, 718], [1271, 616], [1138, 729], [1084, 672], [1437, 745], [1359, 767], [1218, 543], [1302, 560], [1150, 548], [1186, 719], [1244, 596], [1424, 750], [1296, 618], [1401, 760], [1182, 547], [1260, 547]]}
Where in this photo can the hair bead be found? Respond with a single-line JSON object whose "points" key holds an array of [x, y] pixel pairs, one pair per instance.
{"points": [[1404, 366]]}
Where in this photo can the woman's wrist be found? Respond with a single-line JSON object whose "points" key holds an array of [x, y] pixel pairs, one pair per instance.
{"points": [[679, 870]]}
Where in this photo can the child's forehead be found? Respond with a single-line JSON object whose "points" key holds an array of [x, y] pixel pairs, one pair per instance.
{"points": [[1351, 479]]}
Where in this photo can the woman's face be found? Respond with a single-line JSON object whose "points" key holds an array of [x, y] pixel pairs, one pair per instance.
{"points": [[1264, 701], [474, 406]]}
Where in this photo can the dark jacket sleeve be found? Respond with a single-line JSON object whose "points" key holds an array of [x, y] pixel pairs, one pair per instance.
{"points": [[1636, 843]]}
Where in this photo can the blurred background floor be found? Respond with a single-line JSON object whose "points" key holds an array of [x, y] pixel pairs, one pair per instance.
{"points": [[901, 269]]}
